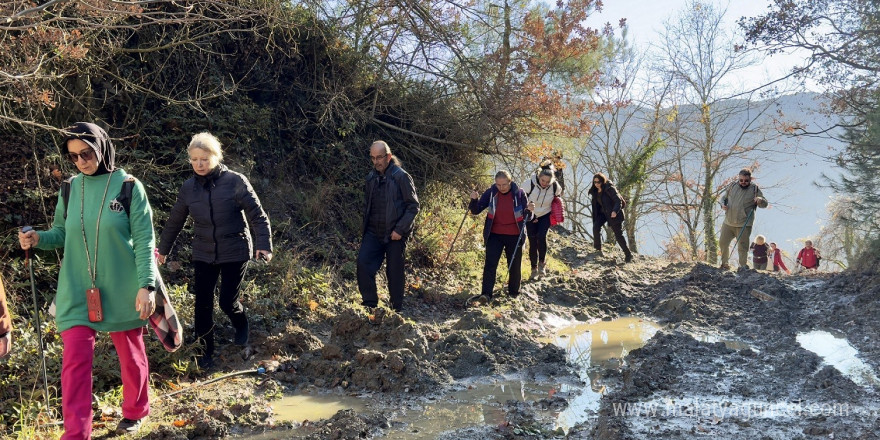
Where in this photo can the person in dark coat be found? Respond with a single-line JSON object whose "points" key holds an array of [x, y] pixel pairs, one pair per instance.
{"points": [[224, 208], [607, 208], [390, 211], [503, 231]]}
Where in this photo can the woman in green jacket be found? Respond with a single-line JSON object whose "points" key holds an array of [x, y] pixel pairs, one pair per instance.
{"points": [[108, 258]]}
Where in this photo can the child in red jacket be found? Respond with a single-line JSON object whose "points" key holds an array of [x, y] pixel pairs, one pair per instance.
{"points": [[776, 258]]}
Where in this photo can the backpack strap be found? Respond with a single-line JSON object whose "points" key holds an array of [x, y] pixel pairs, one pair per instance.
{"points": [[65, 193], [124, 194]]}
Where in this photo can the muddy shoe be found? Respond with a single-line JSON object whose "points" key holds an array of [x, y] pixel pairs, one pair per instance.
{"points": [[534, 274], [479, 300], [128, 426], [205, 362], [724, 266]]}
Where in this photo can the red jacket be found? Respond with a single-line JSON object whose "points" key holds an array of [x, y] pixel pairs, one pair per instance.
{"points": [[809, 258], [777, 261]]}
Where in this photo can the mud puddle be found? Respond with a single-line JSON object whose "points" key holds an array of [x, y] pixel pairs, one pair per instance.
{"points": [[603, 343], [593, 347], [307, 407], [836, 351]]}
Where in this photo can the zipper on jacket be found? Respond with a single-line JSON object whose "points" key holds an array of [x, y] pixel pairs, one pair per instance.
{"points": [[213, 226]]}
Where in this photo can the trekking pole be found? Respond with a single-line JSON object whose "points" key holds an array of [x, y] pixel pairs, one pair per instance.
{"points": [[749, 217], [518, 241], [37, 323], [466, 212]]}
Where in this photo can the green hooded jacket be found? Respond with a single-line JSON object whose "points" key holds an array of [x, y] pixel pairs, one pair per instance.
{"points": [[125, 260]]}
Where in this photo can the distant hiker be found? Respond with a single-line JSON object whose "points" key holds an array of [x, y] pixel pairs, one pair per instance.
{"points": [[390, 211], [740, 202], [108, 258], [5, 323], [607, 207], [809, 257], [224, 209], [776, 257], [503, 231], [540, 190], [760, 252]]}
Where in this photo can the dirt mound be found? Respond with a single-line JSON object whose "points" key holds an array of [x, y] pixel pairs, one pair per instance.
{"points": [[347, 425], [479, 344], [379, 352]]}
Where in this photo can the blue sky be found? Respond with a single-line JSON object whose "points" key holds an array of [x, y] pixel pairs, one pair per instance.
{"points": [[646, 18]]}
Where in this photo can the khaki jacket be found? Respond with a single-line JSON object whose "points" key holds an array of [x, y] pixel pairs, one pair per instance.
{"points": [[740, 202], [5, 319]]}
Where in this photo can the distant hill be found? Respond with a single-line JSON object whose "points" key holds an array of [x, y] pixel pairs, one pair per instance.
{"points": [[788, 178]]}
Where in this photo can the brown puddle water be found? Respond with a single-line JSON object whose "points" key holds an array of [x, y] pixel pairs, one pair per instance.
{"points": [[312, 407], [593, 347]]}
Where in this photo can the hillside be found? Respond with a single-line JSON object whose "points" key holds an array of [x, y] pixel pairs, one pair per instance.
{"points": [[563, 360]]}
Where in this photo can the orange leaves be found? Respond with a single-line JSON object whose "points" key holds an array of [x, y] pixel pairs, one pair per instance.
{"points": [[180, 423], [313, 305]]}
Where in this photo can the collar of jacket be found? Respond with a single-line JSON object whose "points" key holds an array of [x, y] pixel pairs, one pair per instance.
{"points": [[513, 189], [388, 172], [209, 178]]}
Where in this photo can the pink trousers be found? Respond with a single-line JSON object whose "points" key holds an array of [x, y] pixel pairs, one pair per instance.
{"points": [[76, 378]]}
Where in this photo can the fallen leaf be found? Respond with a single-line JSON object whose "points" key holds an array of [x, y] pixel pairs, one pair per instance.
{"points": [[179, 423], [313, 305], [497, 315], [552, 392]]}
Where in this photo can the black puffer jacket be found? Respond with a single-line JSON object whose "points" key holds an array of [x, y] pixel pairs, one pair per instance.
{"points": [[610, 203], [218, 203]]}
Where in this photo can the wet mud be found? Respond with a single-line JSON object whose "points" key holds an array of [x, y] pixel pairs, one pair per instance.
{"points": [[716, 359]]}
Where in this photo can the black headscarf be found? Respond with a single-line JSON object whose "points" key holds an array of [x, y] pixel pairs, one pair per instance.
{"points": [[96, 138]]}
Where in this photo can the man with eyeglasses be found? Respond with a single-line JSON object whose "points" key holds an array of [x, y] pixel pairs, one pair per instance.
{"points": [[391, 208], [740, 202]]}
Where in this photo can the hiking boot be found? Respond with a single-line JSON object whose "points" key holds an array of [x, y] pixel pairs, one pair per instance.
{"points": [[542, 270], [481, 300], [629, 258], [534, 275], [205, 362], [241, 334], [128, 426], [724, 266]]}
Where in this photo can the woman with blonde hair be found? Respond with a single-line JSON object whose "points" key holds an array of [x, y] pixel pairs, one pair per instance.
{"points": [[224, 208], [760, 252]]}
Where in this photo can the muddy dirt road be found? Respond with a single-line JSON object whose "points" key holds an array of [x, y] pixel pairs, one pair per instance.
{"points": [[601, 351]]}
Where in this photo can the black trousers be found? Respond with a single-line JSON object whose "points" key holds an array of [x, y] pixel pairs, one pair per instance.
{"points": [[206, 275], [494, 246], [369, 260], [537, 231], [616, 227]]}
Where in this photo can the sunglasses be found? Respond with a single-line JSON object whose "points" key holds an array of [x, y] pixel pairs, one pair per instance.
{"points": [[86, 155], [375, 158]]}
